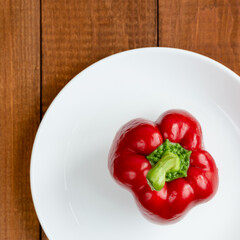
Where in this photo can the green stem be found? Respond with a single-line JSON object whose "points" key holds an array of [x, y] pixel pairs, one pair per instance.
{"points": [[156, 176]]}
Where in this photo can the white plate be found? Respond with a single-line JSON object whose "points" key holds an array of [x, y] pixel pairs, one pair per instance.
{"points": [[74, 195]]}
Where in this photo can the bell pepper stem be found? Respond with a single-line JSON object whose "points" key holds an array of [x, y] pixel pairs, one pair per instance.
{"points": [[157, 174]]}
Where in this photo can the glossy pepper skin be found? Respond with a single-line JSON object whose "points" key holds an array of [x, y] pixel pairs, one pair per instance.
{"points": [[129, 166]]}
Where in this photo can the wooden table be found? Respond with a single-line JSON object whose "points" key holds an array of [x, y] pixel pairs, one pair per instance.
{"points": [[44, 43]]}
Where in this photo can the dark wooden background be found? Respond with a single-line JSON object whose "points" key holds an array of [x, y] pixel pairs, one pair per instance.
{"points": [[44, 43]]}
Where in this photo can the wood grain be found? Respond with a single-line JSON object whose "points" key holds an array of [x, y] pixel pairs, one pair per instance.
{"points": [[209, 27], [20, 115], [76, 33]]}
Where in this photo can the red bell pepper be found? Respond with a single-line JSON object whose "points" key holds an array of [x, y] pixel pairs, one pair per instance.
{"points": [[164, 164]]}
